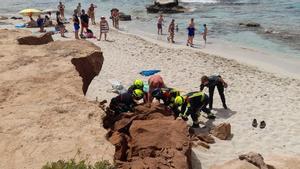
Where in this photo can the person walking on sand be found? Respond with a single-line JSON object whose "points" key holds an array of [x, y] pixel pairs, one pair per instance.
{"points": [[61, 9], [171, 31], [91, 13], [60, 24], [104, 28], [204, 33], [84, 19], [191, 33], [211, 82], [159, 24], [76, 23]]}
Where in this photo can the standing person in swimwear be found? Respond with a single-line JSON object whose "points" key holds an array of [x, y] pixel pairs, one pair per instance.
{"points": [[60, 24], [76, 24], [171, 31], [191, 33], [61, 9], [91, 13], [204, 33], [84, 18], [159, 24], [104, 28]]}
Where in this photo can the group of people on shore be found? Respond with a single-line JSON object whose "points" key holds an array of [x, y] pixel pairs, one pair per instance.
{"points": [[191, 29], [180, 105]]}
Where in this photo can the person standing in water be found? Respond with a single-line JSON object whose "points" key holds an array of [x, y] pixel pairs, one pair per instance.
{"points": [[171, 31], [159, 24], [191, 33], [204, 33], [91, 13], [61, 9], [78, 8]]}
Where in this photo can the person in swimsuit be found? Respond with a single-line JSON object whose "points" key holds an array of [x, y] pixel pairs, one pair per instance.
{"points": [[78, 8], [76, 24], [171, 31], [84, 18], [40, 22], [191, 33], [104, 28], [60, 24], [204, 33], [154, 82], [91, 13], [61, 9], [159, 24]]}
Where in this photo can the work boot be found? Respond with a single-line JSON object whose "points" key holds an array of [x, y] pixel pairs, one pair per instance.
{"points": [[211, 116], [195, 125], [225, 106]]}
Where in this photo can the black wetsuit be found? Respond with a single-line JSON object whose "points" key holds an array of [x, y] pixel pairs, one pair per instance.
{"points": [[195, 102], [214, 81], [122, 103]]}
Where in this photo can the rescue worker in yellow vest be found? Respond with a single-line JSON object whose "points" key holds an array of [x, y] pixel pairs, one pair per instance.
{"points": [[167, 95], [192, 104]]}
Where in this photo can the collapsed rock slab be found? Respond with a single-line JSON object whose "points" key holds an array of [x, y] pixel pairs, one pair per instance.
{"points": [[149, 138], [222, 131], [36, 40], [255, 159]]}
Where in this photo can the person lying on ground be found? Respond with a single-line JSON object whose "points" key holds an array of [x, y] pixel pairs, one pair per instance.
{"points": [[192, 104], [126, 102], [211, 82]]}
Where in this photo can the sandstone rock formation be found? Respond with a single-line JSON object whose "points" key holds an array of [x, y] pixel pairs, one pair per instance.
{"points": [[44, 114], [222, 131], [165, 6], [149, 138], [36, 40]]}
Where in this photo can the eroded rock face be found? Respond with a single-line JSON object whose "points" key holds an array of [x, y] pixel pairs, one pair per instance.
{"points": [[36, 40], [149, 138], [255, 159], [88, 67], [222, 131]]}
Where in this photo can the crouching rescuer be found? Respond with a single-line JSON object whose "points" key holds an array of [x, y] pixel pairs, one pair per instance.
{"points": [[192, 104], [125, 102]]}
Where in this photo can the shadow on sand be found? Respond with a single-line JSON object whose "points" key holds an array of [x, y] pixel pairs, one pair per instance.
{"points": [[224, 113]]}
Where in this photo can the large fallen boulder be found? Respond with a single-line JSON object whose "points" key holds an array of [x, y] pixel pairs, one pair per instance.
{"points": [[149, 138], [222, 131], [36, 40]]}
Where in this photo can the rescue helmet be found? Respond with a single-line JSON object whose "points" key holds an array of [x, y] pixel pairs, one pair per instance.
{"points": [[138, 94], [179, 100], [157, 93], [138, 84]]}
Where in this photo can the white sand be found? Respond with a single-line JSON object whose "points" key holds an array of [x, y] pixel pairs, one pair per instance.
{"points": [[252, 93]]}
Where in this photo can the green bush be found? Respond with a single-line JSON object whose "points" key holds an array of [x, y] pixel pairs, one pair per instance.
{"points": [[72, 164]]}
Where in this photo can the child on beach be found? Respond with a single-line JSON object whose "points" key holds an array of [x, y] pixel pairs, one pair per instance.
{"points": [[104, 28], [159, 24], [171, 31], [40, 23], [204, 33], [76, 24], [191, 33]]}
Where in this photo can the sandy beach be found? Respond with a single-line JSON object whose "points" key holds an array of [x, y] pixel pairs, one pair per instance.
{"points": [[252, 93]]}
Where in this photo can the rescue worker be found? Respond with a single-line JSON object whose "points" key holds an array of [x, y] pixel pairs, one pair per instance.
{"points": [[125, 102], [167, 95], [137, 84], [192, 104], [211, 82]]}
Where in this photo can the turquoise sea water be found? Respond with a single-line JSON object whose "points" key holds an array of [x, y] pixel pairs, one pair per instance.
{"points": [[280, 17]]}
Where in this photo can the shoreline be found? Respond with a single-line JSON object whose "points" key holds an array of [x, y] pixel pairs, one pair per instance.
{"points": [[265, 96]]}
